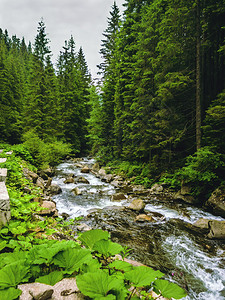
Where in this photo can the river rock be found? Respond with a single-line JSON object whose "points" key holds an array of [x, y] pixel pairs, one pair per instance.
{"points": [[82, 180], [217, 202], [49, 208], [202, 223], [66, 289], [144, 218], [137, 205], [83, 227], [118, 197], [36, 290], [185, 194], [140, 190], [54, 189], [156, 188], [30, 175], [85, 169], [108, 178], [48, 183], [217, 230], [186, 198], [40, 183], [102, 172], [76, 191], [69, 180]]}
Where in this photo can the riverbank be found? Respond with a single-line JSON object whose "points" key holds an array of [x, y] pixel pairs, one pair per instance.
{"points": [[161, 235]]}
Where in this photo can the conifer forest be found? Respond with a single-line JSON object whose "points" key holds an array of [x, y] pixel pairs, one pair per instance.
{"points": [[158, 108]]}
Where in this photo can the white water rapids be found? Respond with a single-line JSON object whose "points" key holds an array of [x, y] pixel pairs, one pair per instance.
{"points": [[204, 271]]}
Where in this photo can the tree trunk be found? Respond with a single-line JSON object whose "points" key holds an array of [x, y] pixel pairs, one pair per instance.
{"points": [[198, 79]]}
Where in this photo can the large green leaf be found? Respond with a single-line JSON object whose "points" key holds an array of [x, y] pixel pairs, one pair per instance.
{"points": [[169, 289], [14, 257], [91, 266], [98, 284], [13, 274], [51, 279], [107, 247], [72, 259], [142, 276], [44, 253], [108, 297], [10, 294], [89, 238], [121, 265]]}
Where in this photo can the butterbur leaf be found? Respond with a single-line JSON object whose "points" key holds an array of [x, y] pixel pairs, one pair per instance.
{"points": [[108, 297], [97, 284], [92, 266], [72, 259], [14, 257], [89, 238], [121, 265], [142, 276], [13, 274], [10, 294], [169, 289], [107, 248], [51, 279]]}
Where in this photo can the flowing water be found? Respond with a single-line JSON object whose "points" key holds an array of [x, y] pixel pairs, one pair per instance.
{"points": [[204, 271]]}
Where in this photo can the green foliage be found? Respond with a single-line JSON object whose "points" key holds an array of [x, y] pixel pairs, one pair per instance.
{"points": [[142, 276], [107, 248], [43, 153], [72, 259], [13, 274], [51, 279], [98, 284], [89, 238], [10, 293], [169, 289]]}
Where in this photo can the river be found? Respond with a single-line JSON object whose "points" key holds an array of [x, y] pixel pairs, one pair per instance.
{"points": [[204, 271]]}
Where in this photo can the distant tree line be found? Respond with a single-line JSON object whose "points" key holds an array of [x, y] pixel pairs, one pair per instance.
{"points": [[36, 97]]}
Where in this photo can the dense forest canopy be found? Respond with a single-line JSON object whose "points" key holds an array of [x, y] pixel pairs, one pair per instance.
{"points": [[161, 97]]}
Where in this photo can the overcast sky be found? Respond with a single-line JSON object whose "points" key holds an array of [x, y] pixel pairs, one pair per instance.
{"points": [[84, 19]]}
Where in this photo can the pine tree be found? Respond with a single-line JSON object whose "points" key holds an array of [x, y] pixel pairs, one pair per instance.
{"points": [[109, 75]]}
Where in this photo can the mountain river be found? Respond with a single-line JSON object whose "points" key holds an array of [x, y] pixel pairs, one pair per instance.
{"points": [[204, 270]]}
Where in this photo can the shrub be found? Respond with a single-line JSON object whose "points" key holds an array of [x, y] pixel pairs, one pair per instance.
{"points": [[45, 154]]}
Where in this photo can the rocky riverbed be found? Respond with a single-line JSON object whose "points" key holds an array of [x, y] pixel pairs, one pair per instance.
{"points": [[161, 229]]}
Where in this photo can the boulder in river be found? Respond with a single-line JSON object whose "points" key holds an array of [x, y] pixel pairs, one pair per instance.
{"points": [[216, 202], [137, 205], [217, 229], [102, 172], [118, 197], [76, 191], [85, 169], [144, 218], [54, 189], [82, 180], [69, 180], [202, 223]]}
